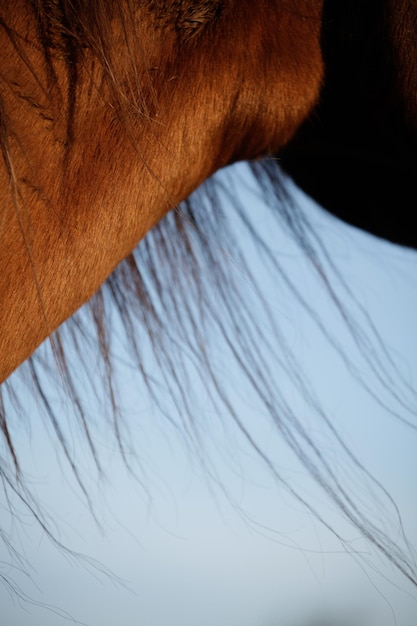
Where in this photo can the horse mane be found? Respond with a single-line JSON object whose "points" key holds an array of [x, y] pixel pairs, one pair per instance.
{"points": [[178, 288]]}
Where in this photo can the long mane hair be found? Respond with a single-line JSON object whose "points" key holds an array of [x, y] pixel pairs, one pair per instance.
{"points": [[177, 296]]}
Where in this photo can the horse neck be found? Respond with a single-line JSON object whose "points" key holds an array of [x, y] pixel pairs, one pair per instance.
{"points": [[99, 144]]}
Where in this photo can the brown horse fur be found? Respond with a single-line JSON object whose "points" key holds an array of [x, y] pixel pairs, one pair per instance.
{"points": [[93, 97], [112, 112]]}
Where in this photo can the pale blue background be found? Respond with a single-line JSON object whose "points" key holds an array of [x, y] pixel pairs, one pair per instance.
{"points": [[189, 555]]}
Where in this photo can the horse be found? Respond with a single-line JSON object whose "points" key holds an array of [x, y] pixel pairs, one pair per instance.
{"points": [[113, 113]]}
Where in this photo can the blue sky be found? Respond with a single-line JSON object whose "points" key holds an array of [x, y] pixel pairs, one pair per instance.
{"points": [[186, 553]]}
